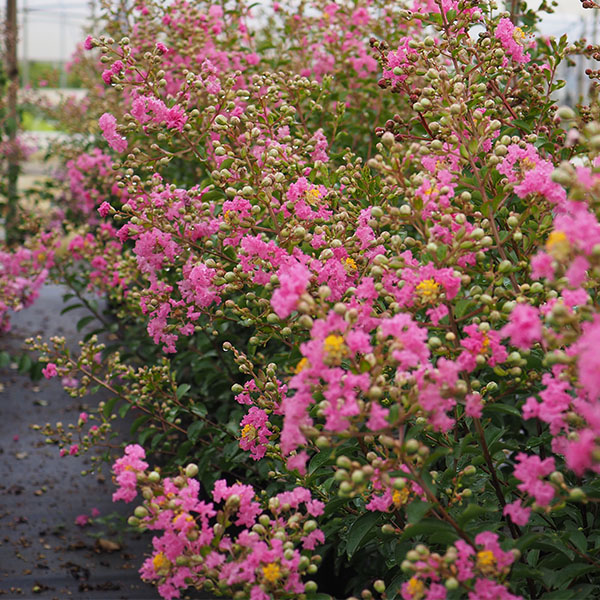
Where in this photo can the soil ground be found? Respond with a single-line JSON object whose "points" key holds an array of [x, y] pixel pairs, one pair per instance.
{"points": [[43, 553]]}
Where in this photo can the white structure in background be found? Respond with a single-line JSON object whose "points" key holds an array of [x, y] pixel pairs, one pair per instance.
{"points": [[577, 23], [51, 30]]}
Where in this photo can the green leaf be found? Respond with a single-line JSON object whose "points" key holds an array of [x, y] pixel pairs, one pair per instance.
{"points": [[70, 308], [462, 306], [24, 364], [156, 440], [4, 359], [571, 572], [108, 406], [428, 526], [317, 461], [559, 595], [416, 510], [138, 423], [472, 511], [144, 435], [84, 321], [578, 539], [359, 530], [182, 390], [194, 430], [502, 408], [200, 410]]}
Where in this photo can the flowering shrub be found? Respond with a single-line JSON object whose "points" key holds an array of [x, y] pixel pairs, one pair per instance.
{"points": [[379, 218], [22, 273]]}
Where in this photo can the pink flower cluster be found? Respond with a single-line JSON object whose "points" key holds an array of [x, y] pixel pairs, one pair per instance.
{"points": [[480, 568], [195, 545]]}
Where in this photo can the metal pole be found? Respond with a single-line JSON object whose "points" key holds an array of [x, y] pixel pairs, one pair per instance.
{"points": [[12, 120], [25, 30], [63, 41]]}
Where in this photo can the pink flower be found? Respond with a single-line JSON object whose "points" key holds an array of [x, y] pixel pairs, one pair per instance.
{"points": [[293, 281], [108, 125], [523, 327], [518, 513], [161, 48], [541, 266], [95, 512], [512, 39], [577, 271], [175, 118], [579, 453], [88, 44], [489, 541], [255, 432], [530, 470], [50, 370], [117, 67], [479, 343], [378, 417], [412, 349], [464, 563], [104, 209], [321, 146], [83, 417], [297, 462], [399, 58], [125, 469], [82, 520], [242, 500], [486, 589], [556, 402], [588, 361], [473, 406]]}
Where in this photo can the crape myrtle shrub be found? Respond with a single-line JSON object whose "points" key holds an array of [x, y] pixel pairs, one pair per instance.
{"points": [[353, 254]]}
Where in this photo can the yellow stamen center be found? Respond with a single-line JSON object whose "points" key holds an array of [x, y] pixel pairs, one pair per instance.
{"points": [[399, 497], [485, 346], [314, 195], [227, 216], [432, 190], [518, 35], [527, 163], [334, 346], [415, 587], [249, 432], [486, 558], [302, 364], [271, 572], [428, 289], [350, 264], [558, 244], [160, 561]]}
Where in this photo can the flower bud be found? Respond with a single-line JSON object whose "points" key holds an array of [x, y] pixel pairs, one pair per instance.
{"points": [[411, 446], [140, 512], [191, 470], [451, 583], [154, 476], [577, 495]]}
